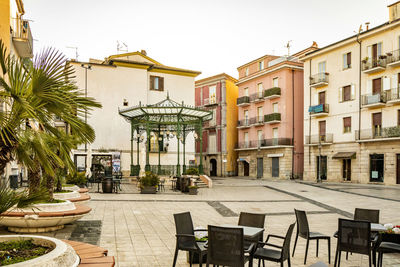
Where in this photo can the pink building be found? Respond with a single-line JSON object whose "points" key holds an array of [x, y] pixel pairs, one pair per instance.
{"points": [[270, 116]]}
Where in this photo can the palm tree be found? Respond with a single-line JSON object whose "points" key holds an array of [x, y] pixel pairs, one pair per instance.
{"points": [[34, 94]]}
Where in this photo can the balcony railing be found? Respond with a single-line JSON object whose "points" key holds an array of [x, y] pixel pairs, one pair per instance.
{"points": [[378, 133], [319, 139], [248, 144], [373, 99], [374, 64], [244, 123], [256, 97], [319, 79], [273, 117], [22, 37], [272, 92], [393, 95], [243, 100], [319, 109], [209, 101], [265, 143], [393, 58]]}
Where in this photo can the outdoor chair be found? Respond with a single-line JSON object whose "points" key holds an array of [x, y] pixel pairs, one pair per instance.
{"points": [[279, 254], [225, 246], [185, 239], [371, 216], [303, 230], [161, 185], [386, 247], [355, 237], [252, 220]]}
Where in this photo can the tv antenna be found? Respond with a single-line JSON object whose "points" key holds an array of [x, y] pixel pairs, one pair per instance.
{"points": [[121, 47], [288, 47], [76, 51]]}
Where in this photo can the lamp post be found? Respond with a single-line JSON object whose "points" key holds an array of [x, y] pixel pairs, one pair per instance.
{"points": [[86, 67], [138, 138], [319, 160]]}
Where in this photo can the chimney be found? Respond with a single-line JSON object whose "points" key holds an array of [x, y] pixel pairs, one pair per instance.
{"points": [[143, 52], [367, 26], [394, 11]]}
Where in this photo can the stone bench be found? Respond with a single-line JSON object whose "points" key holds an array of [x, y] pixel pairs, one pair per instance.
{"points": [[79, 210], [83, 190], [91, 255], [83, 197]]}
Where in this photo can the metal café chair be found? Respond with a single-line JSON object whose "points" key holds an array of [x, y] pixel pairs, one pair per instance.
{"points": [[368, 215], [252, 220], [386, 247], [303, 230], [355, 237], [185, 239]]}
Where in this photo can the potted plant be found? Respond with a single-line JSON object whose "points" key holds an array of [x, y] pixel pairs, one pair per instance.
{"points": [[149, 183], [192, 171], [193, 190], [365, 60], [77, 178]]}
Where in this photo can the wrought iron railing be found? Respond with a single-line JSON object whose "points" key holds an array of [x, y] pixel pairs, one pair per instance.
{"points": [[210, 101], [321, 108], [257, 96], [265, 143], [272, 91], [164, 169], [393, 56], [393, 94], [243, 100], [322, 77], [21, 30], [370, 99], [243, 123], [317, 139], [378, 132], [272, 117], [374, 63]]}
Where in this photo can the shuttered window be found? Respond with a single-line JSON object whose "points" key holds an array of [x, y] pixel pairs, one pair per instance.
{"points": [[347, 60], [156, 83], [347, 125], [377, 119], [347, 93], [322, 128], [398, 117]]}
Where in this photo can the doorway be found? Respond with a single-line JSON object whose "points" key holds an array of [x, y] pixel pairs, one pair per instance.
{"points": [[323, 167], [275, 167], [213, 167], [260, 168], [346, 169], [398, 169], [246, 168], [377, 163]]}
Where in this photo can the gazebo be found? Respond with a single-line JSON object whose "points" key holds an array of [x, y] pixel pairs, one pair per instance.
{"points": [[165, 119]]}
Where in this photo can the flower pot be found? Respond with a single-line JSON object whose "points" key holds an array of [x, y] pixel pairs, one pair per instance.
{"points": [[107, 185], [148, 190], [193, 191], [62, 255]]}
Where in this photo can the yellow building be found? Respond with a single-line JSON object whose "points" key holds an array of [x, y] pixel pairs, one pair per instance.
{"points": [[14, 30], [218, 94]]}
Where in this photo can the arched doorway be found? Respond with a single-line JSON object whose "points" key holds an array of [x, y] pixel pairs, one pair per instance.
{"points": [[213, 167], [246, 168]]}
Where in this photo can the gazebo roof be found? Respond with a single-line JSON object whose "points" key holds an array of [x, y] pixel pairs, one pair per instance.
{"points": [[166, 111]]}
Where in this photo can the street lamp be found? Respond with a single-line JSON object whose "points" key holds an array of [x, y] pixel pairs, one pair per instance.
{"points": [[86, 67], [319, 160]]}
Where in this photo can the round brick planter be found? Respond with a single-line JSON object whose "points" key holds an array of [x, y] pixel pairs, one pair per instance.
{"points": [[62, 255], [73, 196]]}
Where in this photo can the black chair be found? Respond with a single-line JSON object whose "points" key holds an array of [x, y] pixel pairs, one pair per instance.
{"points": [[368, 215], [275, 255], [185, 239], [355, 237], [386, 247], [225, 246], [303, 230]]}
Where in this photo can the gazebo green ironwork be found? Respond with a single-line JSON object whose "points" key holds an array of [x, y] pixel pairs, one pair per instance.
{"points": [[165, 119]]}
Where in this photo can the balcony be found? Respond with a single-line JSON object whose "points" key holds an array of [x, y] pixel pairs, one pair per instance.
{"points": [[319, 110], [374, 65], [244, 123], [248, 144], [319, 80], [210, 101], [393, 58], [393, 96], [317, 139], [378, 133], [272, 93], [257, 97], [243, 101], [373, 100], [22, 37], [257, 121], [276, 142], [210, 124], [272, 118]]}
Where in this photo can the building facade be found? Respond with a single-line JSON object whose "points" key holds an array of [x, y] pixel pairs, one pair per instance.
{"points": [[270, 125], [218, 94], [351, 111], [126, 80]]}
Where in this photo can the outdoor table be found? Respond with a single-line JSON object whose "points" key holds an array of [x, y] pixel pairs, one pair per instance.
{"points": [[248, 232]]}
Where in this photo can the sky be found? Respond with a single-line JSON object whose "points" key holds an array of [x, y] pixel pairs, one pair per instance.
{"points": [[211, 36]]}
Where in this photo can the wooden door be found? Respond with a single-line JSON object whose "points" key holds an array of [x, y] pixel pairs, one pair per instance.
{"points": [[260, 167], [322, 130], [398, 169], [321, 98], [374, 51], [376, 86], [347, 169], [275, 167]]}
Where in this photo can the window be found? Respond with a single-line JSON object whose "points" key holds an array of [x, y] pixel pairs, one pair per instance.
{"points": [[247, 71], [246, 139], [347, 61], [347, 93], [261, 65], [377, 164], [260, 114], [155, 144], [212, 143], [156, 83], [246, 91], [260, 137], [275, 107], [246, 117], [260, 89], [275, 82], [275, 133], [374, 51], [322, 130], [322, 67], [377, 124], [347, 125], [398, 117], [212, 94]]}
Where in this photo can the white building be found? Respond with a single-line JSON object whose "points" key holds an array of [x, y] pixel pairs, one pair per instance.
{"points": [[351, 107], [125, 80]]}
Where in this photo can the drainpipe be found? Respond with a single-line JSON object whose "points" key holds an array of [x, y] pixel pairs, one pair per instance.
{"points": [[293, 123], [309, 122], [220, 123], [359, 100]]}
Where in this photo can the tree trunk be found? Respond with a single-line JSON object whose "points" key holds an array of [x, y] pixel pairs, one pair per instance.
{"points": [[34, 178], [50, 185], [5, 157]]}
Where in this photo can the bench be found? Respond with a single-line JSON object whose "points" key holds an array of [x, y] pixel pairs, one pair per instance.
{"points": [[91, 255]]}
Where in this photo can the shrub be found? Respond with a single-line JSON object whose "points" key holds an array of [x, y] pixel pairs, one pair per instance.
{"points": [[192, 171], [77, 178], [149, 179]]}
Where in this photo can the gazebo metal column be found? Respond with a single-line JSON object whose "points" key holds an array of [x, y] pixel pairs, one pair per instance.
{"points": [[184, 150], [178, 135], [159, 150], [132, 167], [201, 146], [147, 167]]}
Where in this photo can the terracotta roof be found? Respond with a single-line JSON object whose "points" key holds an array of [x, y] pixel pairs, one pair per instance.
{"points": [[215, 77]]}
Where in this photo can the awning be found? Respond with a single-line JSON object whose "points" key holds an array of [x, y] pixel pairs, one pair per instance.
{"points": [[247, 159], [344, 155]]}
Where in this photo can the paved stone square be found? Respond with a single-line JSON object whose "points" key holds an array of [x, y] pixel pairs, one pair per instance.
{"points": [[139, 229]]}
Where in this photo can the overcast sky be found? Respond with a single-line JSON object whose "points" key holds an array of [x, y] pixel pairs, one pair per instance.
{"points": [[211, 36]]}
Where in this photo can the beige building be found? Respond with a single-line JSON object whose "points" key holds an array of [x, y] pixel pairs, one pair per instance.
{"points": [[351, 107]]}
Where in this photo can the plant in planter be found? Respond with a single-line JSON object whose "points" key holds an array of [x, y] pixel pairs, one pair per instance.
{"points": [[149, 183], [365, 60], [193, 190], [192, 171], [77, 178]]}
